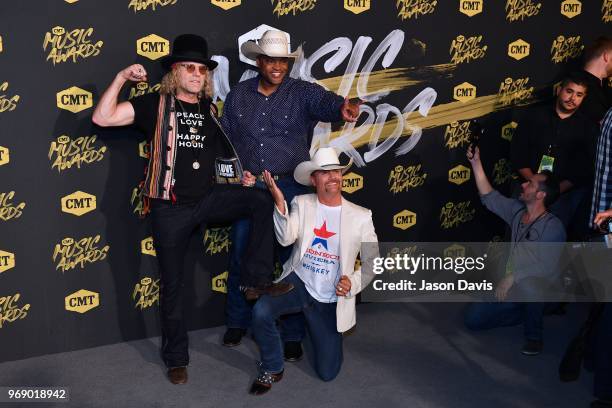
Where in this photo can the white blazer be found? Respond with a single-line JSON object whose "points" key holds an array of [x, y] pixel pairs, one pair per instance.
{"points": [[356, 226]]}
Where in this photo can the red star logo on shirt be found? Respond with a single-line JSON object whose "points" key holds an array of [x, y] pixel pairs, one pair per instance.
{"points": [[321, 235]]}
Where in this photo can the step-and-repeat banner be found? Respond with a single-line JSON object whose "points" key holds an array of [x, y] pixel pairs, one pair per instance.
{"points": [[77, 263]]}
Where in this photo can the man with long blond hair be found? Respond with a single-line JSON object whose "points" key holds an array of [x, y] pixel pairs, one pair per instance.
{"points": [[185, 140]]}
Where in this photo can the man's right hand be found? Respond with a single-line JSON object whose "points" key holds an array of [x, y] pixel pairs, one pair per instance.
{"points": [[277, 194], [135, 72], [473, 155]]}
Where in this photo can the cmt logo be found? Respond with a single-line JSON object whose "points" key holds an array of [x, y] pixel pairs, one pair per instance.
{"points": [[470, 7], [74, 99], [226, 4], [352, 182], [404, 219], [78, 203], [219, 283], [464, 92], [147, 247], [571, 8], [507, 131], [454, 251], [7, 261], [459, 174], [357, 6], [82, 301], [518, 49], [152, 46], [4, 155]]}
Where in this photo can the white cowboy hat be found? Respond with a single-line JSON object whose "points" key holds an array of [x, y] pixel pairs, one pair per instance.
{"points": [[325, 158], [272, 43]]}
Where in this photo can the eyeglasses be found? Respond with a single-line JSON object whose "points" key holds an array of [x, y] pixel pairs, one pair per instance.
{"points": [[190, 68]]}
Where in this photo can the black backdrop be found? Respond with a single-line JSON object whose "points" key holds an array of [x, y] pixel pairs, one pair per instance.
{"points": [[76, 267]]}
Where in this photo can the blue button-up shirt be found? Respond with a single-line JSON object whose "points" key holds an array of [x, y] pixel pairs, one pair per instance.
{"points": [[274, 132]]}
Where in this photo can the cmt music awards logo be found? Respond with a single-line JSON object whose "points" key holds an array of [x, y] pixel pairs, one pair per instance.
{"points": [[464, 92], [521, 9], [7, 103], [454, 251], [219, 282], [142, 5], [606, 11], [415, 8], [147, 292], [565, 48], [502, 172], [285, 7], [226, 4], [453, 214], [82, 301], [457, 134], [147, 246], [65, 152], [8, 210], [519, 49], [7, 261], [216, 240], [152, 47], [404, 178], [571, 8], [468, 49], [4, 155], [142, 88], [507, 131], [78, 203], [352, 182], [459, 174], [74, 99], [470, 7], [70, 254], [137, 201], [514, 91], [404, 219], [10, 311], [70, 45], [357, 6]]}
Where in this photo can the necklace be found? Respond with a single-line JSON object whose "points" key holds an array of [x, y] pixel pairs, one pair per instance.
{"points": [[194, 131]]}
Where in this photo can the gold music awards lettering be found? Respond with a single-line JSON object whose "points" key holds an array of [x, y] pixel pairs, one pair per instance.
{"points": [[285, 7], [457, 134], [70, 45], [64, 153], [352, 182], [404, 178], [137, 201], [521, 9], [454, 214], [8, 210], [147, 292], [514, 91], [142, 5], [7, 103], [10, 311], [219, 282], [5, 156], [226, 4], [142, 88], [70, 253], [606, 11], [565, 48], [502, 171], [404, 219], [7, 261], [471, 7], [415, 8], [468, 49], [357, 6], [216, 240], [571, 8], [82, 301]]}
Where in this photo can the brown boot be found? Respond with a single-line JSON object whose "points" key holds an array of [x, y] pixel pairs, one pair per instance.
{"points": [[177, 375], [263, 382]]}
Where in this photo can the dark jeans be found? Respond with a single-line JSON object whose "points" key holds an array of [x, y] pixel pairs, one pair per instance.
{"points": [[237, 309], [490, 315], [320, 319], [173, 225], [601, 359]]}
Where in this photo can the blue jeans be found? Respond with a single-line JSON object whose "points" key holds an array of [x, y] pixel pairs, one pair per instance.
{"points": [[320, 319], [237, 309]]}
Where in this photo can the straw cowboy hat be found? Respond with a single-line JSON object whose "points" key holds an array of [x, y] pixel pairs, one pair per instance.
{"points": [[272, 43], [325, 158]]}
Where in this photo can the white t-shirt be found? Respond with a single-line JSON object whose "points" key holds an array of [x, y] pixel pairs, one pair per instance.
{"points": [[320, 265]]}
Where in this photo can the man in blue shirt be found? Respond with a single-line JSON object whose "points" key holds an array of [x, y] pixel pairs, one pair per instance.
{"points": [[270, 119]]}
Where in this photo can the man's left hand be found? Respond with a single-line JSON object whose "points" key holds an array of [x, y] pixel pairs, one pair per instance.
{"points": [[501, 292], [344, 286], [350, 110], [248, 179]]}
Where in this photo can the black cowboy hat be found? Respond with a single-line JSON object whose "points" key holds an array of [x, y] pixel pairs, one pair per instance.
{"points": [[189, 47]]}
